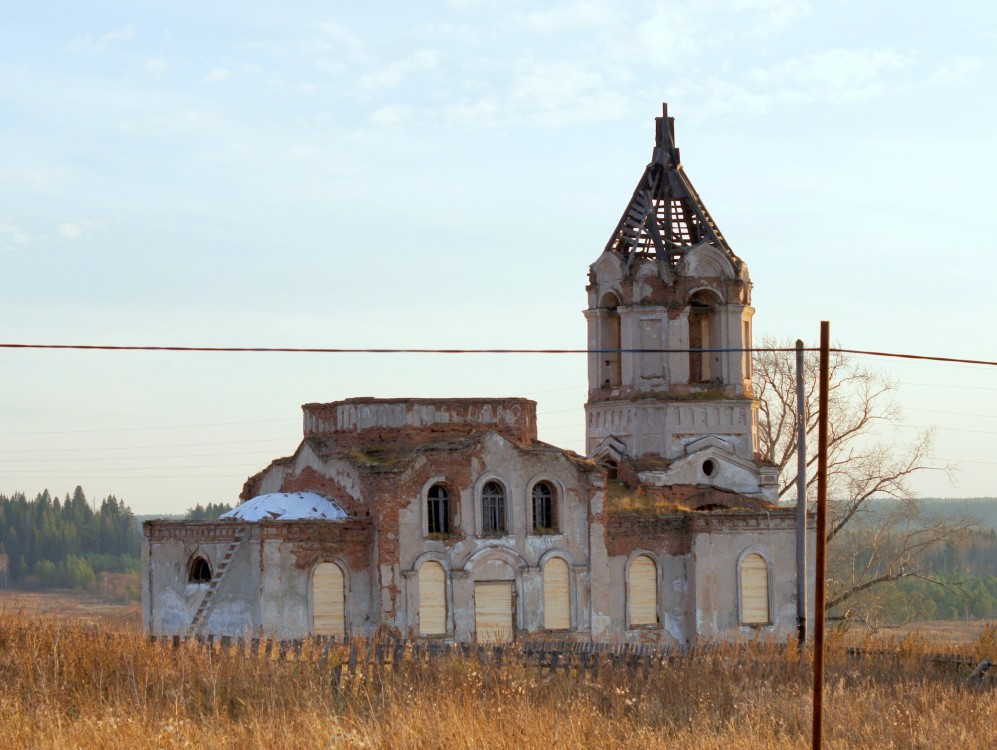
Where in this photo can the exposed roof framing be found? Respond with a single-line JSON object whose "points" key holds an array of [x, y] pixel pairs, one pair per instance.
{"points": [[665, 216]]}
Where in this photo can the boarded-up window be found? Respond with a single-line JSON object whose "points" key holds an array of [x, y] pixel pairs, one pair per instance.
{"points": [[557, 605], [754, 590], [432, 599], [328, 600], [643, 591], [493, 611]]}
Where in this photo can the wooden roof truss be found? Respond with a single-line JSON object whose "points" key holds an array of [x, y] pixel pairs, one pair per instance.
{"points": [[665, 216]]}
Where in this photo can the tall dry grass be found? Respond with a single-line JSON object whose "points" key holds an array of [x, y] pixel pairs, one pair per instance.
{"points": [[66, 686]]}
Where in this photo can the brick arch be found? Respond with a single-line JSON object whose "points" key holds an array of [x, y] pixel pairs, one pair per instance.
{"points": [[309, 480]]}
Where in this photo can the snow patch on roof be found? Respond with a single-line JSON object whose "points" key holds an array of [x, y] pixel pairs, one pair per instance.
{"points": [[286, 506]]}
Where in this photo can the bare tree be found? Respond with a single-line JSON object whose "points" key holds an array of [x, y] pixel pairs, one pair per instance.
{"points": [[876, 529]]}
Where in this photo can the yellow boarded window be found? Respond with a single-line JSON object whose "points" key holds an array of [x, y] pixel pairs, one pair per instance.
{"points": [[754, 590], [557, 612], [328, 600], [643, 591], [493, 612], [432, 599]]}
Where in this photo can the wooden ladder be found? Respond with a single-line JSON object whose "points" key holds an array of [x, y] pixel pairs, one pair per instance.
{"points": [[208, 600]]}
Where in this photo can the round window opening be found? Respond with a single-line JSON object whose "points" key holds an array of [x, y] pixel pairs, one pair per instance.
{"points": [[709, 467]]}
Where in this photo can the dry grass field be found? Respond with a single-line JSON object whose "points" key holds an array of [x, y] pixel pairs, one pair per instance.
{"points": [[70, 606], [68, 684]]}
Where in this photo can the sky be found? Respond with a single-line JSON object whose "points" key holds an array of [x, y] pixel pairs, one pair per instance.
{"points": [[441, 174]]}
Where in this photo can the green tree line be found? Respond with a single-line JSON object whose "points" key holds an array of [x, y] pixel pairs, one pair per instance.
{"points": [[66, 543], [959, 582]]}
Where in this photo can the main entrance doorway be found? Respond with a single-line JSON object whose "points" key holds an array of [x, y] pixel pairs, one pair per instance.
{"points": [[494, 611]]}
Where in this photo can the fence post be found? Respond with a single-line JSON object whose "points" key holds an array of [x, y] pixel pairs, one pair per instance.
{"points": [[353, 658]]}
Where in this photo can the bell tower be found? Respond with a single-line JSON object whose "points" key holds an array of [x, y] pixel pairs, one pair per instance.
{"points": [[669, 320]]}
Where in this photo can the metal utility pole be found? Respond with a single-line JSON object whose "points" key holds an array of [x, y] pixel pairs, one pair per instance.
{"points": [[801, 500], [821, 573]]}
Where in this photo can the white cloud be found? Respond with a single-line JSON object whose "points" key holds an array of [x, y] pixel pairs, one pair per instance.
{"points": [[70, 231], [669, 35], [835, 75], [156, 65], [332, 44], [14, 234], [217, 74], [392, 73], [73, 230], [89, 44], [391, 115], [558, 93], [772, 16], [572, 15], [960, 68], [485, 108], [470, 4]]}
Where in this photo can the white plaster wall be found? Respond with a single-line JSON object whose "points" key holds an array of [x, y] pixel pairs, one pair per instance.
{"points": [[286, 597], [169, 601], [666, 427], [715, 558], [674, 626], [517, 555]]}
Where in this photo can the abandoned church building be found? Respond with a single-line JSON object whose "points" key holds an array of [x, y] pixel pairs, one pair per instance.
{"points": [[448, 518]]}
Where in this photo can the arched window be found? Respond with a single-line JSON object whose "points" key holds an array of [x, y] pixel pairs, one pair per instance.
{"points": [[643, 591], [544, 509], [704, 333], [754, 582], [492, 508], [432, 599], [328, 600], [557, 602], [438, 510], [200, 571]]}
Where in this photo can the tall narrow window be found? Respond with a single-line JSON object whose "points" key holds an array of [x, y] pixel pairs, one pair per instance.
{"points": [[746, 345], [704, 333], [432, 599], [492, 509], [438, 510], [699, 363], [610, 342], [643, 591], [754, 580], [328, 600], [543, 509]]}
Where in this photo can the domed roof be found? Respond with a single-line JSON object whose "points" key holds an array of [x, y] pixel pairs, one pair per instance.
{"points": [[286, 506]]}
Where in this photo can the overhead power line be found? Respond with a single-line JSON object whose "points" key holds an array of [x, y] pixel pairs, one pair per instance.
{"points": [[419, 350], [136, 429]]}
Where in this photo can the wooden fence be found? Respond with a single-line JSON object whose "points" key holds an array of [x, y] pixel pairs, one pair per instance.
{"points": [[580, 658]]}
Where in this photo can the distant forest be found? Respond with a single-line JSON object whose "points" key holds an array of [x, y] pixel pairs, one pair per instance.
{"points": [[70, 543]]}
